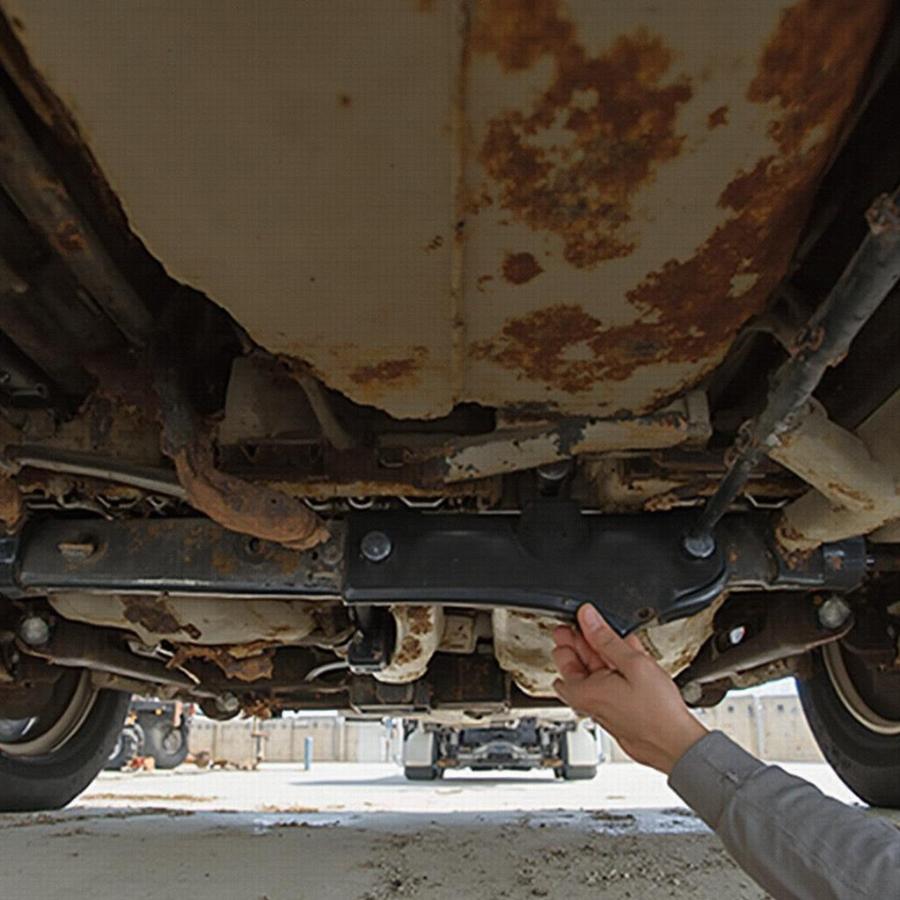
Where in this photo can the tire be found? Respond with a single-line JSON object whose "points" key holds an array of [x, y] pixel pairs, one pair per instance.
{"points": [[33, 778], [422, 773], [165, 742], [862, 745], [574, 772], [578, 773], [129, 744]]}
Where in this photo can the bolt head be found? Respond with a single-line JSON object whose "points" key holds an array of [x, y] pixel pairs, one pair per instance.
{"points": [[833, 613], [376, 546], [736, 635], [555, 471], [34, 631], [692, 692], [699, 546], [331, 553], [228, 703], [76, 550]]}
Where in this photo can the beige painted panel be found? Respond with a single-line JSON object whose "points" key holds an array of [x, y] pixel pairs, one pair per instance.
{"points": [[574, 204]]}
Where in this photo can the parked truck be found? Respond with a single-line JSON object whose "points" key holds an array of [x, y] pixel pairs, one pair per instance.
{"points": [[569, 748]]}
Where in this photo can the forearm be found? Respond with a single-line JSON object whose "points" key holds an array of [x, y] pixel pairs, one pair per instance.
{"points": [[784, 832]]}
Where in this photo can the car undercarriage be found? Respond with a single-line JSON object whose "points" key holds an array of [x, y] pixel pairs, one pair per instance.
{"points": [[324, 389]]}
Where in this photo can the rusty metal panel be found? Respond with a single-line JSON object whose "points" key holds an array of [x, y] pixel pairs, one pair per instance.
{"points": [[573, 205]]}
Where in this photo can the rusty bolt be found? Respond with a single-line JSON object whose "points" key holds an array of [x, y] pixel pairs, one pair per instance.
{"points": [[77, 549], [833, 613], [331, 553], [376, 546], [34, 631]]}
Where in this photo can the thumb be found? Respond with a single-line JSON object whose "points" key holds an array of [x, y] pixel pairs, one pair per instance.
{"points": [[615, 651]]}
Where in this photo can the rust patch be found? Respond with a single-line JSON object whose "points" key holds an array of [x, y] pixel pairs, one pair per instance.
{"points": [[717, 117], [434, 244], [535, 346], [391, 371], [242, 662], [155, 615], [419, 620], [11, 506], [689, 310], [224, 562], [520, 32], [519, 268], [482, 282], [812, 64], [856, 497], [245, 507], [616, 111], [409, 651], [68, 238]]}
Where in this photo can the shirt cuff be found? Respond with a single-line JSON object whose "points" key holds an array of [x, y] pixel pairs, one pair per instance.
{"points": [[709, 774]]}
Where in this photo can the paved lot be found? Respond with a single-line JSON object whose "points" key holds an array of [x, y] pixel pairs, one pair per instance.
{"points": [[346, 831]]}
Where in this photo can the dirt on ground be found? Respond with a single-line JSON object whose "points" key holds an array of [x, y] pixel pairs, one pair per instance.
{"points": [[108, 853], [361, 831], [527, 859]]}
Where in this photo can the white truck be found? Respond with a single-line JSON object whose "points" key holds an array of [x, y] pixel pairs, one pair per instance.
{"points": [[570, 748]]}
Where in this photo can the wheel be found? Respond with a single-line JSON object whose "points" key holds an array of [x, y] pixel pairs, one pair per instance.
{"points": [[577, 773], [129, 744], [165, 742], [423, 773], [854, 714], [579, 745], [420, 755], [53, 753]]}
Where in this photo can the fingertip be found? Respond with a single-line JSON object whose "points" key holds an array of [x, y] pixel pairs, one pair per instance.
{"points": [[589, 618]]}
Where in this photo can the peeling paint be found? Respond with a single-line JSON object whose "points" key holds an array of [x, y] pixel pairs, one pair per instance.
{"points": [[688, 310], [419, 631], [242, 662], [616, 113], [595, 137], [154, 615], [523, 645]]}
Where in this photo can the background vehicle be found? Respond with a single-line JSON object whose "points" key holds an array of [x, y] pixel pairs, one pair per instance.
{"points": [[352, 413], [568, 747], [155, 728], [128, 745]]}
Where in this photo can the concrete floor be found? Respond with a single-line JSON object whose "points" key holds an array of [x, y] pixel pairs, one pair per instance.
{"points": [[348, 831]]}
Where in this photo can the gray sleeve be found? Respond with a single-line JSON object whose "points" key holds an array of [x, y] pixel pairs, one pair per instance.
{"points": [[785, 833]]}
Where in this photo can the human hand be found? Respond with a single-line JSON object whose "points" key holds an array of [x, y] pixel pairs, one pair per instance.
{"points": [[615, 682]]}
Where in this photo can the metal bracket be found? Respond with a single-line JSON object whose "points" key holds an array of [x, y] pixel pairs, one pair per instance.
{"points": [[549, 559], [179, 556], [552, 558]]}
